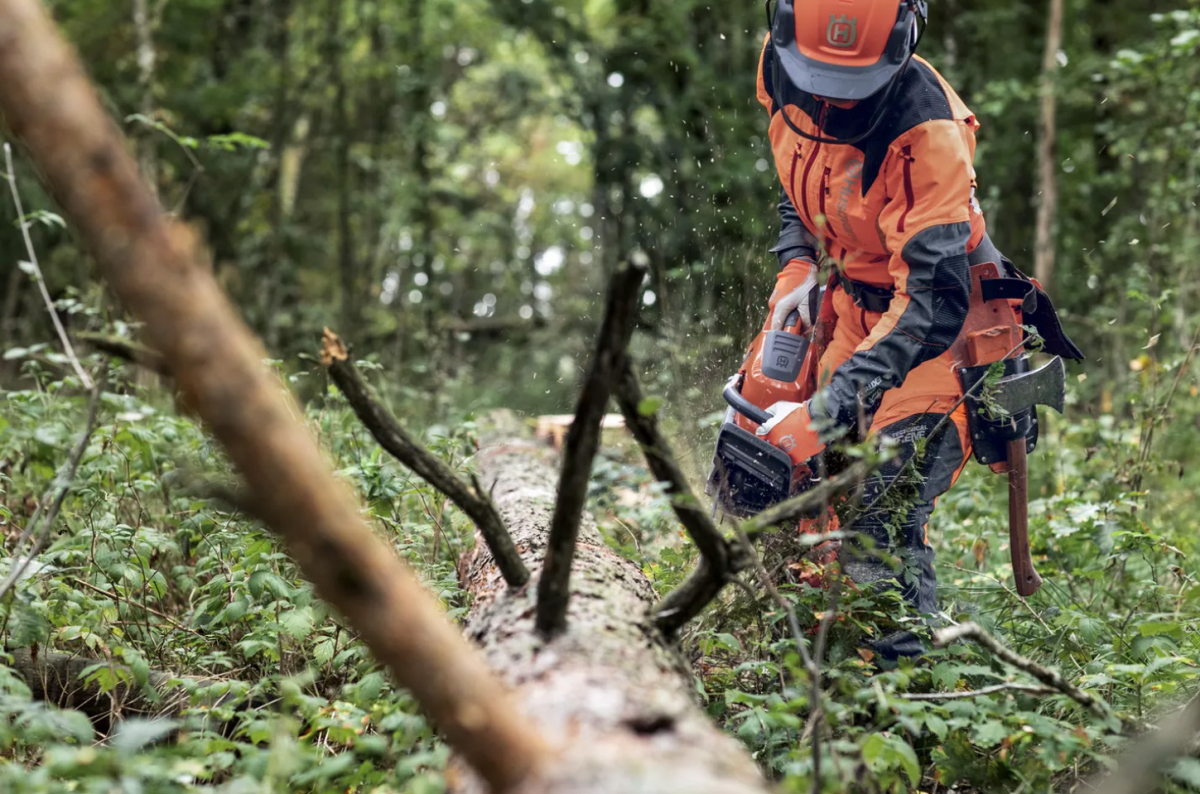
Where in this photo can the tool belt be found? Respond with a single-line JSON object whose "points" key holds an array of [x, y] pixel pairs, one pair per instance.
{"points": [[1036, 306], [866, 296]]}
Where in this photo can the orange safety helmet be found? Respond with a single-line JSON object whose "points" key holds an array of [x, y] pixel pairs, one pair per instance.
{"points": [[845, 50]]}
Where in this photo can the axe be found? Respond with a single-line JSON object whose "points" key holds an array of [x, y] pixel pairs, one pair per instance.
{"points": [[1004, 428]]}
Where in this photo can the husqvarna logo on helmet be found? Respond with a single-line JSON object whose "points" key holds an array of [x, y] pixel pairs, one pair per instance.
{"points": [[843, 31]]}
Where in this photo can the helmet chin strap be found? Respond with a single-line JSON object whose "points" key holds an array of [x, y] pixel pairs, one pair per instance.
{"points": [[884, 104]]}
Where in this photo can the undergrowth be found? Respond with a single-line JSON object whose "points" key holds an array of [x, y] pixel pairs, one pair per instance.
{"points": [[275, 693]]}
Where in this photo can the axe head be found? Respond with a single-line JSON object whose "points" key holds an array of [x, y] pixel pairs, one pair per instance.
{"points": [[1046, 385]]}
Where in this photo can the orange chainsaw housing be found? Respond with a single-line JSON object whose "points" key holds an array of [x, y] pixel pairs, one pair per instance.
{"points": [[764, 391]]}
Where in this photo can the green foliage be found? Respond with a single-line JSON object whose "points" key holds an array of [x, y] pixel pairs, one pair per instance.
{"points": [[494, 159], [273, 691]]}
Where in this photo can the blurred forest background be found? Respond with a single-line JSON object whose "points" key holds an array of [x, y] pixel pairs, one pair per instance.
{"points": [[448, 186], [447, 183]]}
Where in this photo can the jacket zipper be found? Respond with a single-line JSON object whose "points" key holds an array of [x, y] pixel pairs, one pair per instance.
{"points": [[825, 192], [909, 196], [808, 170]]}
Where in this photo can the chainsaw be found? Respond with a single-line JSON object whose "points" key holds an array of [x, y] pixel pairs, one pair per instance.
{"points": [[1003, 392], [750, 474]]}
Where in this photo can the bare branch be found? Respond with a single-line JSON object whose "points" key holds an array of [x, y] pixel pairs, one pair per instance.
{"points": [[700, 589], [39, 527], [583, 440], [159, 271], [816, 702], [401, 444], [1051, 678], [126, 350], [644, 425], [688, 600], [11, 176], [1027, 689]]}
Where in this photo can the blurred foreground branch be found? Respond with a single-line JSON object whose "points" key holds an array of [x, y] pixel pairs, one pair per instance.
{"points": [[158, 270]]}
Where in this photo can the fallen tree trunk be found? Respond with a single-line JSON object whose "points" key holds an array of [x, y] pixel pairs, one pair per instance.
{"points": [[609, 687]]}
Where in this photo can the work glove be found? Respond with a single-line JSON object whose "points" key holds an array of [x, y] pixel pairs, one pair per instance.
{"points": [[791, 429], [794, 288]]}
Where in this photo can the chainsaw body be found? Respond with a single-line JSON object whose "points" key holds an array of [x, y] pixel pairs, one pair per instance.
{"points": [[750, 474]]}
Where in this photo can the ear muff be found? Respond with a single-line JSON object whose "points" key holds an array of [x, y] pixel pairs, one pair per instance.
{"points": [[910, 27], [906, 35]]}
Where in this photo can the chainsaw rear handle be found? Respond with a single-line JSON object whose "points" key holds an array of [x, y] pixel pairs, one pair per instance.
{"points": [[733, 396]]}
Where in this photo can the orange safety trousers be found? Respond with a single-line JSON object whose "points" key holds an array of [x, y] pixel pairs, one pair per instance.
{"points": [[914, 411]]}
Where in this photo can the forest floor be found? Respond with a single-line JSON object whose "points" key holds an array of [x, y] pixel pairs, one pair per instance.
{"points": [[146, 572]]}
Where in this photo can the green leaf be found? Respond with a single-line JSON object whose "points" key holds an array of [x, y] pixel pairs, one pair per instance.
{"points": [[936, 725], [138, 664], [235, 611], [256, 582], [872, 751], [1154, 628], [28, 626], [134, 734], [297, 623], [989, 733], [370, 686], [231, 141], [75, 725], [1187, 771], [323, 652], [907, 756], [649, 406], [728, 642]]}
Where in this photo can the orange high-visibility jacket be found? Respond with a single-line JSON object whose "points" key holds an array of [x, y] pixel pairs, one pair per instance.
{"points": [[896, 211]]}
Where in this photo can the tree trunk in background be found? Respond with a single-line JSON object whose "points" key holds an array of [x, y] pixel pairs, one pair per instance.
{"points": [[274, 290], [610, 685], [1044, 248], [380, 100], [343, 135], [147, 142], [421, 211]]}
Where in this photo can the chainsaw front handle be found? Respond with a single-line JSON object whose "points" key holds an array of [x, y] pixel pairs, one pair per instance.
{"points": [[733, 396]]}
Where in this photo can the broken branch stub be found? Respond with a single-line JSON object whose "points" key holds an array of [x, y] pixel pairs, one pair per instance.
{"points": [[661, 461], [157, 269], [583, 441], [404, 447]]}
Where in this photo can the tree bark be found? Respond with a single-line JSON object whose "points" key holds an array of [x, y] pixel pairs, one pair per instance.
{"points": [[1044, 253], [610, 684]]}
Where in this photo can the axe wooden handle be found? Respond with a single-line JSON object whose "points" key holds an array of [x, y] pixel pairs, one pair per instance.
{"points": [[1027, 577]]}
